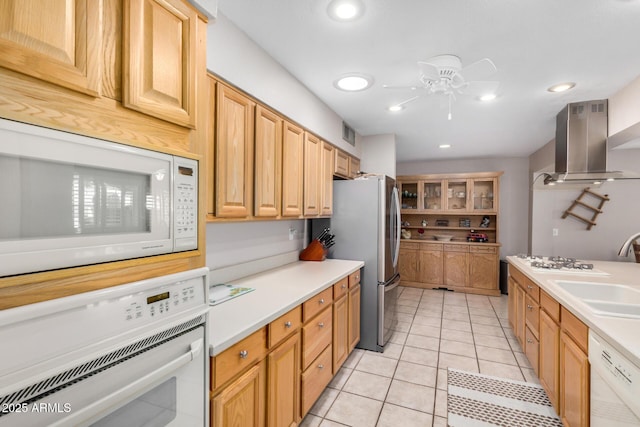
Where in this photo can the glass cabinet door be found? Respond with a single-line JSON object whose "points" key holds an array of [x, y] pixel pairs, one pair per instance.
{"points": [[457, 195], [483, 195], [432, 195], [408, 195]]}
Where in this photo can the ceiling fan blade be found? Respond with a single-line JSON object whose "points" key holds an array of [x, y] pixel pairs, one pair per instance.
{"points": [[400, 87], [479, 70], [479, 88], [428, 71]]}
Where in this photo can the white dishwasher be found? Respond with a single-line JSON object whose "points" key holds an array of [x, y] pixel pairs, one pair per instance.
{"points": [[615, 386]]}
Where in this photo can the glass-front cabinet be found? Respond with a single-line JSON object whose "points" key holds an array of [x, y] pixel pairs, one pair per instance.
{"points": [[409, 195], [432, 192], [483, 195], [457, 195]]}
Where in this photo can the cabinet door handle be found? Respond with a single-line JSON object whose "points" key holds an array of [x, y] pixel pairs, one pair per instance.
{"points": [[244, 354], [321, 301], [321, 325], [287, 324], [358, 277], [321, 366], [529, 341], [530, 307]]}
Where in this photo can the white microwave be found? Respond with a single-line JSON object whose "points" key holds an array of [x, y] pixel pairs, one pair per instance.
{"points": [[68, 200]]}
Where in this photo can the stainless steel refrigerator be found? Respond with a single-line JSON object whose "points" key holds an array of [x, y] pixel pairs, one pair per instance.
{"points": [[366, 224]]}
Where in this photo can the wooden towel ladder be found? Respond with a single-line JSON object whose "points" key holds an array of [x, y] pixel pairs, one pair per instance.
{"points": [[579, 202]]}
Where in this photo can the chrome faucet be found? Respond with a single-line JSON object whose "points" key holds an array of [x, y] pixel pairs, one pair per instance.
{"points": [[626, 246]]}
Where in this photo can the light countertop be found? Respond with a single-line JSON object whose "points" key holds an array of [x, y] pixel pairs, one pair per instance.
{"points": [[276, 292], [622, 333]]}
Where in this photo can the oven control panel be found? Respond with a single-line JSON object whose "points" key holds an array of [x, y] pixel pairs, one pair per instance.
{"points": [[163, 302]]}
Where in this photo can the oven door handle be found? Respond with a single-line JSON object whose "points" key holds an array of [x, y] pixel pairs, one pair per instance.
{"points": [[105, 405]]}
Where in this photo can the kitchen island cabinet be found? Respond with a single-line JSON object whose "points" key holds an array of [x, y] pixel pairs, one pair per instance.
{"points": [[274, 374]]}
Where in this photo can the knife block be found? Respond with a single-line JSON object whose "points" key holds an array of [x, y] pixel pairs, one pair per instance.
{"points": [[314, 252]]}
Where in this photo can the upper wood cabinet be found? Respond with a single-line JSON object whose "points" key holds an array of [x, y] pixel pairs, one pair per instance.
{"points": [[312, 169], [159, 59], [268, 160], [233, 153], [55, 41], [326, 179], [354, 167], [341, 164], [292, 170]]}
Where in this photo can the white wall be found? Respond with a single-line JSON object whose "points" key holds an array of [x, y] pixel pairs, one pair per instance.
{"points": [[514, 193], [232, 55], [379, 154], [237, 59], [620, 217]]}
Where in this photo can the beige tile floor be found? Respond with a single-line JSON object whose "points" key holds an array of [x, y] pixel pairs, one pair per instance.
{"points": [[407, 385]]}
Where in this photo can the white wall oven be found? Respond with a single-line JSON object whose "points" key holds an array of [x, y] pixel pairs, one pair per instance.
{"points": [[68, 200], [132, 355]]}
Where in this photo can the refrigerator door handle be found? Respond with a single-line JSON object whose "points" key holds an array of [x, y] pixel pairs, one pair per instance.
{"points": [[396, 207]]}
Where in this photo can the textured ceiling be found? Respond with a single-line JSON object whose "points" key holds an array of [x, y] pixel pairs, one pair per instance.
{"points": [[533, 43]]}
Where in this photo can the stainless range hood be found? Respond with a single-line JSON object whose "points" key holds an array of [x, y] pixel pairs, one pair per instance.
{"points": [[581, 145]]}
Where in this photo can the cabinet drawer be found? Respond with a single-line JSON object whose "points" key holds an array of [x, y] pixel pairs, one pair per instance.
{"points": [[409, 245], [531, 348], [532, 315], [483, 249], [575, 328], [316, 335], [240, 356], [284, 325], [315, 304], [315, 379], [550, 305], [354, 279], [340, 288], [456, 248], [431, 247]]}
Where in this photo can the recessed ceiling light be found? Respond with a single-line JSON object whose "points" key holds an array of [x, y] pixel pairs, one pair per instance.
{"points": [[395, 108], [488, 97], [444, 146], [561, 87], [345, 10], [353, 82]]}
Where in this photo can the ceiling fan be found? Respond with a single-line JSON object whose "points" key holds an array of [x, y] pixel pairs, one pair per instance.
{"points": [[444, 75]]}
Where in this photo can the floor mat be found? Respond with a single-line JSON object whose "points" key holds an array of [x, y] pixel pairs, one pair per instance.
{"points": [[482, 400]]}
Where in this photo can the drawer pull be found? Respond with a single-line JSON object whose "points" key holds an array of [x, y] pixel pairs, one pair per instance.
{"points": [[357, 277], [529, 341], [321, 301], [321, 366], [530, 307], [529, 287], [344, 286], [244, 354], [321, 324], [287, 324]]}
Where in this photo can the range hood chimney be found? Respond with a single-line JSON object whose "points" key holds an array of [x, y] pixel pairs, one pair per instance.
{"points": [[581, 145]]}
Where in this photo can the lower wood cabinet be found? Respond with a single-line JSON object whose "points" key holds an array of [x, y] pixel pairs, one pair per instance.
{"points": [[340, 324], [555, 342], [242, 403], [283, 396], [469, 268], [275, 375]]}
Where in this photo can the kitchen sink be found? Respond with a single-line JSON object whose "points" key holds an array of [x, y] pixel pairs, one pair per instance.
{"points": [[614, 309], [604, 298]]}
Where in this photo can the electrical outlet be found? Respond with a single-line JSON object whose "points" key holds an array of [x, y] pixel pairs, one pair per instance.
{"points": [[292, 233], [554, 232]]}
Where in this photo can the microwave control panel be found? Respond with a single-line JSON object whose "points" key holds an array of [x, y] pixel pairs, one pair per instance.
{"points": [[185, 226]]}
